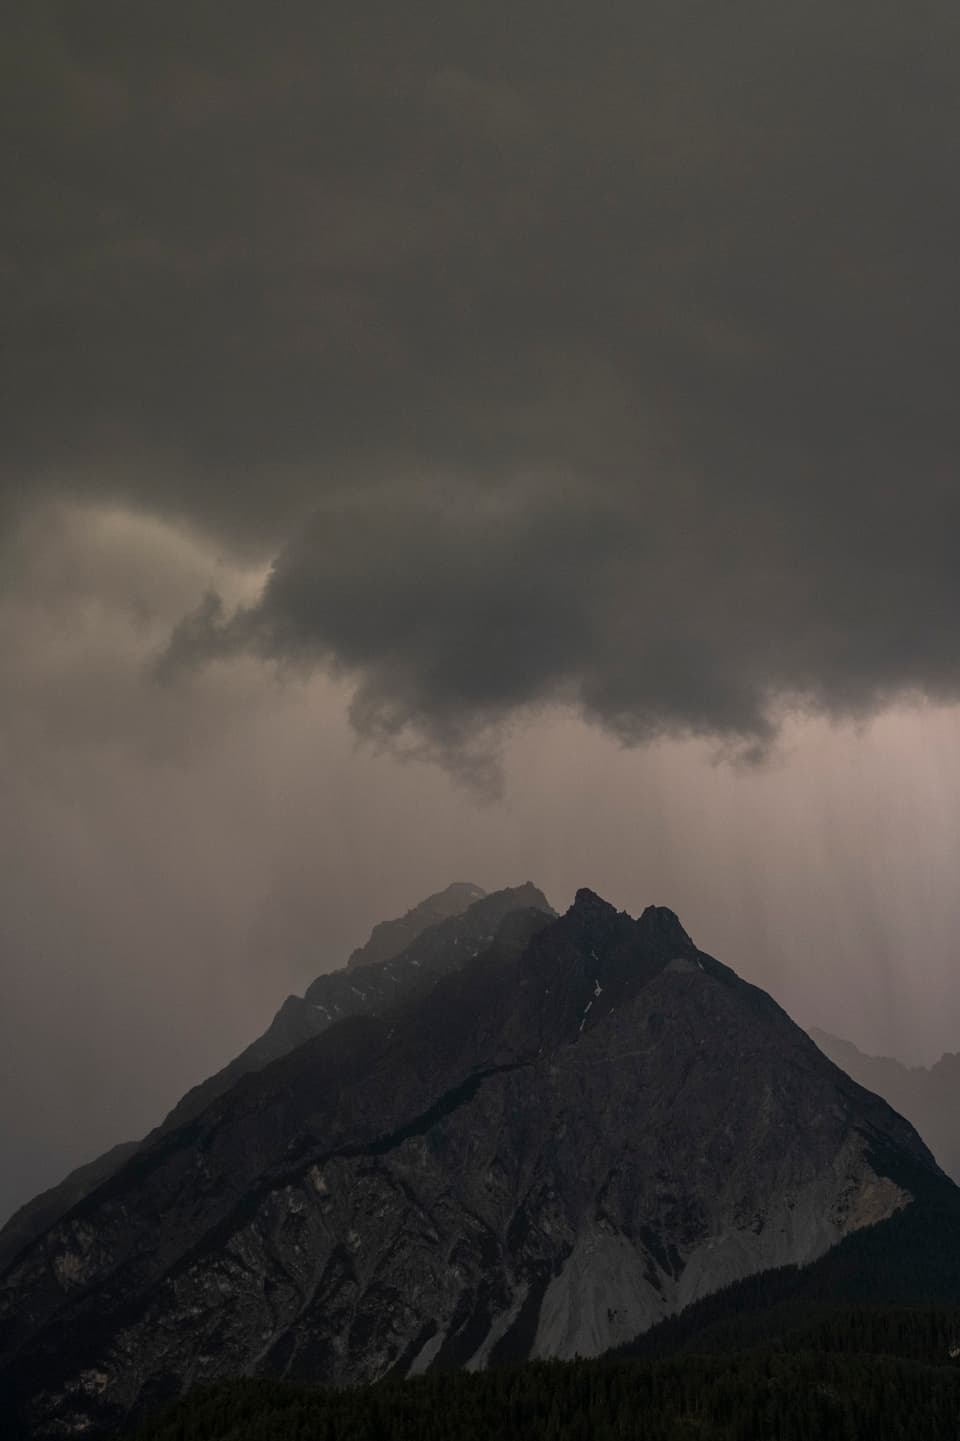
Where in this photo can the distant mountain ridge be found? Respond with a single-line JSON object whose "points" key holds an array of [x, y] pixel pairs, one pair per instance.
{"points": [[583, 1129], [437, 935], [927, 1096], [389, 938]]}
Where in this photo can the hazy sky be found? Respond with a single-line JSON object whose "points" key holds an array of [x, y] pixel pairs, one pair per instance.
{"points": [[467, 441]]}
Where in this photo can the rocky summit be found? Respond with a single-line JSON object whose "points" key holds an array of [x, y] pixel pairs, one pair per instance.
{"points": [[571, 1134], [389, 938]]}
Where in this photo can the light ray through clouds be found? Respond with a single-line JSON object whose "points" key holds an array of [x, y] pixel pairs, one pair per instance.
{"points": [[184, 858], [513, 381]]}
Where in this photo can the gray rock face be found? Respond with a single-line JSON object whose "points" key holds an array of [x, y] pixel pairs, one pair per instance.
{"points": [[927, 1096], [37, 1215], [590, 1125]]}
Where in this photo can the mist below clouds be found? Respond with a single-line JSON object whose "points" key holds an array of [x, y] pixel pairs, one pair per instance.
{"points": [[160, 898], [563, 395]]}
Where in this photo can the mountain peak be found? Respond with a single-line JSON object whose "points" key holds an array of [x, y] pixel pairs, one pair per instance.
{"points": [[568, 1130], [456, 892], [657, 931], [587, 902], [591, 912], [663, 925], [389, 938]]}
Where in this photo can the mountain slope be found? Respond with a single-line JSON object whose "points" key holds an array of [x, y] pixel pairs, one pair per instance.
{"points": [[42, 1211], [372, 985], [437, 936], [389, 938], [591, 1125], [928, 1096]]}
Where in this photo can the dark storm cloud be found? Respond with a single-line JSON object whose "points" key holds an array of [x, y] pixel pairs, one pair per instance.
{"points": [[603, 354]]}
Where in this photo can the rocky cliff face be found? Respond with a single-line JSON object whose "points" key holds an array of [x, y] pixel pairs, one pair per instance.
{"points": [[42, 1211], [590, 1125]]}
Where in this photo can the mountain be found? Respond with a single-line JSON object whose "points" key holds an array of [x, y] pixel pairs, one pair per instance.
{"points": [[434, 937], [927, 1096], [32, 1219], [376, 977], [585, 1129], [389, 938]]}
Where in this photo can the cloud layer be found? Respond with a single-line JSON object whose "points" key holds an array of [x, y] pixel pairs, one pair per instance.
{"points": [[603, 355]]}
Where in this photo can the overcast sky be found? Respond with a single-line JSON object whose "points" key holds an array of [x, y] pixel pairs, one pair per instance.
{"points": [[470, 441]]}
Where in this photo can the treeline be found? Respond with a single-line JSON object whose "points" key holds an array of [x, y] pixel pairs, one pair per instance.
{"points": [[869, 1374]]}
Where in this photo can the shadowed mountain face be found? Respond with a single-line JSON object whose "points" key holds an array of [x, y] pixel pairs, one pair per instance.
{"points": [[435, 937], [927, 1096], [588, 1126], [42, 1211], [371, 986]]}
